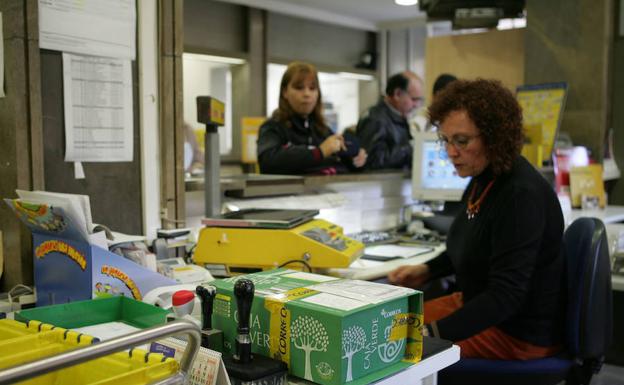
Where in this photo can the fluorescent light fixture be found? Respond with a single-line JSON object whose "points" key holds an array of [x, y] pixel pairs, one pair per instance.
{"points": [[356, 76], [511, 23], [406, 2], [213, 59]]}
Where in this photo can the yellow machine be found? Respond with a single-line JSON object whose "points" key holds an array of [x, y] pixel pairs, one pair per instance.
{"points": [[237, 246]]}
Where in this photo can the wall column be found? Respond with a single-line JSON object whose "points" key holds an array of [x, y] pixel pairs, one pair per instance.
{"points": [[21, 158], [570, 41], [171, 112]]}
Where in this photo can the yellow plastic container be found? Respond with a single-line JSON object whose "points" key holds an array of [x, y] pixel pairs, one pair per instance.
{"points": [[12, 329], [21, 343], [116, 369]]}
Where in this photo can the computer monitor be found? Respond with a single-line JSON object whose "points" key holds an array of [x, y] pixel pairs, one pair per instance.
{"points": [[434, 177]]}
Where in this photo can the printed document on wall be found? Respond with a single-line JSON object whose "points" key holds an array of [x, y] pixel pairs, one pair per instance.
{"points": [[98, 109], [90, 27]]}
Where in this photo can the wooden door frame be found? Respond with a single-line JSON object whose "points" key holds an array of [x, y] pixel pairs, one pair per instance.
{"points": [[170, 34]]}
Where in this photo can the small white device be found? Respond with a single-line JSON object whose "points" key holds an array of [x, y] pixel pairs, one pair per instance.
{"points": [[182, 272]]}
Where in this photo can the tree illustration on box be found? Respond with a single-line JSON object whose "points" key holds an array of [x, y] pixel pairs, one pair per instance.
{"points": [[353, 340], [309, 335]]}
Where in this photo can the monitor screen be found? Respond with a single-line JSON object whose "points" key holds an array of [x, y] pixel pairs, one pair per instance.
{"points": [[434, 177]]}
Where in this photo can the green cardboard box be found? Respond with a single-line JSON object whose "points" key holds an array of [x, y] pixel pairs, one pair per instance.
{"points": [[328, 330]]}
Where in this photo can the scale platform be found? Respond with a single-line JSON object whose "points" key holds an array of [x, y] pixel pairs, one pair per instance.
{"points": [[252, 240], [262, 218]]}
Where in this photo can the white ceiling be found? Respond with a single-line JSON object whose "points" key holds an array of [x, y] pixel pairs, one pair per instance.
{"points": [[362, 14]]}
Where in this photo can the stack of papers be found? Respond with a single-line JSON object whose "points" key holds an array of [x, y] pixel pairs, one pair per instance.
{"points": [[395, 251], [61, 214], [76, 207]]}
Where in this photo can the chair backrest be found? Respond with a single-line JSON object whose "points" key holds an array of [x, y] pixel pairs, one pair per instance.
{"points": [[589, 311]]}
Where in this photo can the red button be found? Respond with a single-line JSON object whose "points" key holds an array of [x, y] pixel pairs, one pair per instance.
{"points": [[181, 297]]}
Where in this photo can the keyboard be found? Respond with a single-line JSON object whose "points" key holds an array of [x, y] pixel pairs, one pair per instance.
{"points": [[369, 238], [374, 237], [427, 239]]}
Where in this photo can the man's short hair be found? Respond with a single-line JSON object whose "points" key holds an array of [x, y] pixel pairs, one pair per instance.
{"points": [[397, 81], [442, 81]]}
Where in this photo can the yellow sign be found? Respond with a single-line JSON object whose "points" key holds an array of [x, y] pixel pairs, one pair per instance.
{"points": [[542, 107], [250, 129], [217, 111], [587, 181]]}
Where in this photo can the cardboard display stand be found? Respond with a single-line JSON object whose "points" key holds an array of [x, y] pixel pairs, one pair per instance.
{"points": [[67, 267]]}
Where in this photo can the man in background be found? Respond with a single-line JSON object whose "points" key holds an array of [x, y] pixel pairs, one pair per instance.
{"points": [[442, 81], [383, 131]]}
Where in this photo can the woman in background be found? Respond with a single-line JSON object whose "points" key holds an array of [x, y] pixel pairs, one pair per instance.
{"points": [[296, 139]]}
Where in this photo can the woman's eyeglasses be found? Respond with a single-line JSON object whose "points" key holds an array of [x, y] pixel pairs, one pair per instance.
{"points": [[460, 142]]}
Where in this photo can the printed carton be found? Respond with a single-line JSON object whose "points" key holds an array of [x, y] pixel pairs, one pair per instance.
{"points": [[328, 330]]}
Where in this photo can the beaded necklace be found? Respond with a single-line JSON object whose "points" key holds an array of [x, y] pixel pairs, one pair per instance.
{"points": [[474, 206]]}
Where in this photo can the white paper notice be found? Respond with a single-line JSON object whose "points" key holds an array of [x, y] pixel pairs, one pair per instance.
{"points": [[310, 277], [334, 301], [98, 109], [78, 171], [363, 291], [91, 27]]}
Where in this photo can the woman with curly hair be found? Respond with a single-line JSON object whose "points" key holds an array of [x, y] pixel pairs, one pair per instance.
{"points": [[504, 245], [296, 140]]}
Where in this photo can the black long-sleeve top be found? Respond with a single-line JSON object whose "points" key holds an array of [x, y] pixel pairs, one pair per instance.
{"points": [[295, 149], [507, 260]]}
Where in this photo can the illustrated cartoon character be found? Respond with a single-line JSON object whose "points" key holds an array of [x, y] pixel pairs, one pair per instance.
{"points": [[40, 215]]}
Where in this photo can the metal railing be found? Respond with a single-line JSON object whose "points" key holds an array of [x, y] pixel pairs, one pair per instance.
{"points": [[78, 356]]}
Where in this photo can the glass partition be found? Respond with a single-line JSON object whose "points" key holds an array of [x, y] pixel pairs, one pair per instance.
{"points": [[206, 75], [340, 95]]}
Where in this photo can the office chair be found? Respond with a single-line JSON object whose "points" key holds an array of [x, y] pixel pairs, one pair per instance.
{"points": [[588, 322]]}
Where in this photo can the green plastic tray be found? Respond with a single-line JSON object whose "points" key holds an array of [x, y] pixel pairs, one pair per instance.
{"points": [[96, 311]]}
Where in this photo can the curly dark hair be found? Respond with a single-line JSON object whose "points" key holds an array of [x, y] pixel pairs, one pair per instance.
{"points": [[495, 112]]}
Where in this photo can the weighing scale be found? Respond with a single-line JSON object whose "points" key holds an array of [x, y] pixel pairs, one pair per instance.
{"points": [[252, 240]]}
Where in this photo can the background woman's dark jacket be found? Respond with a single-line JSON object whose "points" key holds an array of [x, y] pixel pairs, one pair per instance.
{"points": [[295, 149]]}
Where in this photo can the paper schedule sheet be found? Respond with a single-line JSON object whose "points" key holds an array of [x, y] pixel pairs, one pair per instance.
{"points": [[69, 26], [98, 109]]}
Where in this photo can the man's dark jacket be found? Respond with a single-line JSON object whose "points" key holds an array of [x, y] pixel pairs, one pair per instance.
{"points": [[385, 136]]}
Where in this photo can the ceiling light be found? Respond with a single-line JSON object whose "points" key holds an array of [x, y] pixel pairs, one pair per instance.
{"points": [[356, 76], [406, 2], [213, 59]]}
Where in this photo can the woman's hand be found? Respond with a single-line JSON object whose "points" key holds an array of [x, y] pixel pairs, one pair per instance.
{"points": [[413, 276], [360, 159], [332, 145]]}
